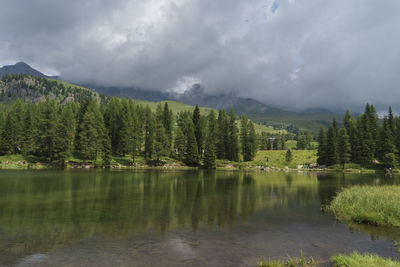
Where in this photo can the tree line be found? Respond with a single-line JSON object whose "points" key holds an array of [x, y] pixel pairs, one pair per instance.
{"points": [[96, 131], [362, 140]]}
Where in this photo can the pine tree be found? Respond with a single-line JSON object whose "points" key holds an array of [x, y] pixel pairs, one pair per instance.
{"points": [[288, 156], [391, 121], [88, 136], [28, 140], [191, 157], [149, 129], [233, 138], [131, 131], [180, 143], [64, 134], [106, 152], [253, 141], [210, 144], [167, 120], [113, 122], [160, 142], [47, 129], [6, 138], [332, 144], [344, 147], [244, 136], [351, 128], [198, 129], [322, 148], [386, 141], [222, 132]]}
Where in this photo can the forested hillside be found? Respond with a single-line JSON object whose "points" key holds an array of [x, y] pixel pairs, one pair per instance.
{"points": [[362, 140], [53, 120], [37, 89], [53, 132]]}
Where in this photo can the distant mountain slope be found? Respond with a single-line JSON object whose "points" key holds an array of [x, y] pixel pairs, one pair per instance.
{"points": [[264, 114], [35, 89], [21, 68], [260, 112]]}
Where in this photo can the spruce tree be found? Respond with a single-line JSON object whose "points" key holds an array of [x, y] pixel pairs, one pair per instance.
{"points": [[6, 139], [222, 132], [210, 143], [64, 135], [288, 156], [47, 129], [386, 141], [191, 156], [351, 128], [322, 147], [391, 122], [167, 120], [253, 141], [131, 132], [149, 130], [198, 129], [344, 147], [160, 147], [180, 143], [113, 122], [233, 138], [106, 152], [332, 144], [88, 136], [244, 136], [28, 144]]}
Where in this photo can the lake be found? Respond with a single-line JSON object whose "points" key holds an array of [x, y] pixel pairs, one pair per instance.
{"points": [[177, 218]]}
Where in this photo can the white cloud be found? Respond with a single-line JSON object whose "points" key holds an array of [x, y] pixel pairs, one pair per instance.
{"points": [[335, 54]]}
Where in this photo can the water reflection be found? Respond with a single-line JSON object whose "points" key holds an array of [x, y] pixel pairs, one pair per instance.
{"points": [[40, 211]]}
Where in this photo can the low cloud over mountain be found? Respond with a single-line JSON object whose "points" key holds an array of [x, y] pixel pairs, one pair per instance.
{"points": [[296, 54]]}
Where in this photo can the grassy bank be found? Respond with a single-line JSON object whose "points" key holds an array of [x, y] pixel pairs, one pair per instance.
{"points": [[353, 260], [263, 158], [368, 205], [362, 260], [276, 158]]}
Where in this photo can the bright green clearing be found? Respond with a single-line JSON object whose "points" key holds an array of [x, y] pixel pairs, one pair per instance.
{"points": [[276, 158]]}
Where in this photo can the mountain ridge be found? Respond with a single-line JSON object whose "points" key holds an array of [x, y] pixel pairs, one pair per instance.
{"points": [[196, 95]]}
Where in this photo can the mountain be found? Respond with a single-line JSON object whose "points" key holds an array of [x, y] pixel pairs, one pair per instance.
{"points": [[309, 120], [21, 68], [130, 92], [35, 89]]}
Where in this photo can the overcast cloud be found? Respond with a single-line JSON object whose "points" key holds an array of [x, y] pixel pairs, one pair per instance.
{"points": [[294, 54]]}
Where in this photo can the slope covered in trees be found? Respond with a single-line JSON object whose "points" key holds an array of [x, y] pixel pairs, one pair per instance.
{"points": [[54, 130], [361, 140], [36, 89]]}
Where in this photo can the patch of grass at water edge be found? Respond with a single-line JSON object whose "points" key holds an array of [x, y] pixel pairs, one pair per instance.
{"points": [[374, 205], [362, 260], [290, 262]]}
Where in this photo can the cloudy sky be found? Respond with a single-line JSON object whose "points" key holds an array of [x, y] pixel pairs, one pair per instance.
{"points": [[288, 53]]}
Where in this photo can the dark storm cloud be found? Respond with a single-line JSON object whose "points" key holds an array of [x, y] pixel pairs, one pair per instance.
{"points": [[297, 54]]}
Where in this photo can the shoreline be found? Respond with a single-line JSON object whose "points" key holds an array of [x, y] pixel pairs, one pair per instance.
{"points": [[24, 165]]}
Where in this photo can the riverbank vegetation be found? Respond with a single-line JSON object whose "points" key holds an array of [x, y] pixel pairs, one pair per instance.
{"points": [[363, 141], [98, 131], [355, 259], [375, 205], [362, 260]]}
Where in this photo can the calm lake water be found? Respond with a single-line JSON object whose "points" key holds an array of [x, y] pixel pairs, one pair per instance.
{"points": [[177, 218]]}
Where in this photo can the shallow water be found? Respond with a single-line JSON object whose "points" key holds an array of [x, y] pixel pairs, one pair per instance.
{"points": [[177, 218]]}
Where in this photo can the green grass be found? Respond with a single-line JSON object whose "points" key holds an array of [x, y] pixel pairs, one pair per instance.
{"points": [[276, 158], [375, 205], [362, 260], [290, 262]]}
